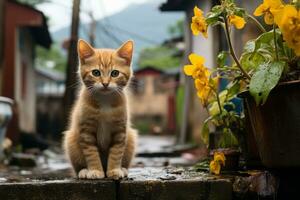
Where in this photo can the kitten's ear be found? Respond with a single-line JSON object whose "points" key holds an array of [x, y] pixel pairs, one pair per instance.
{"points": [[126, 51], [84, 49]]}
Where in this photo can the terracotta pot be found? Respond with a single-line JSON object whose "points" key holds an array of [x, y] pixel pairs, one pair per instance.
{"points": [[276, 125]]}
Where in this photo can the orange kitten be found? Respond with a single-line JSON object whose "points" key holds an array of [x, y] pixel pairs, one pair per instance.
{"points": [[100, 140]]}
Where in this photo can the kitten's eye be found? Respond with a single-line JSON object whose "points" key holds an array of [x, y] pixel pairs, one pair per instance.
{"points": [[96, 73], [114, 73]]}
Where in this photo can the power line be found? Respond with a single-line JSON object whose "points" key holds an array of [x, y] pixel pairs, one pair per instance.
{"points": [[109, 34], [93, 28], [68, 7], [109, 23], [137, 36], [86, 32], [102, 7]]}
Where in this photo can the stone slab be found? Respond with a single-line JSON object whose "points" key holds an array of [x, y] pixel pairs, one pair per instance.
{"points": [[179, 190], [143, 183], [59, 190], [150, 183]]}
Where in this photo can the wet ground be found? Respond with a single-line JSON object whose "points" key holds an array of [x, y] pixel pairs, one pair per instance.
{"points": [[161, 170], [153, 156]]}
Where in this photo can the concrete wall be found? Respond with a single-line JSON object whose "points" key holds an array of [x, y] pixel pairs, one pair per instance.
{"points": [[25, 80], [149, 102]]}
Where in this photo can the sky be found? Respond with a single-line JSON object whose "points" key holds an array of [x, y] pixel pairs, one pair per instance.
{"points": [[59, 11]]}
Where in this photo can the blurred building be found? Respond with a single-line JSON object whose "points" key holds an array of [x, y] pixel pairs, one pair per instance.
{"points": [[153, 100], [49, 82], [24, 28], [50, 88]]}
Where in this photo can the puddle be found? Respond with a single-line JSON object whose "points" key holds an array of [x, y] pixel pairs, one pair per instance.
{"points": [[2, 180]]}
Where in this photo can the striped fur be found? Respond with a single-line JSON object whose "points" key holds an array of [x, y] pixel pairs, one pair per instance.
{"points": [[100, 141]]}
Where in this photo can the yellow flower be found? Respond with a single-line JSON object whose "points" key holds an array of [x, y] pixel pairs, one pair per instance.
{"points": [[268, 8], [288, 20], [237, 21], [196, 63], [214, 167], [215, 164], [201, 75], [198, 24], [196, 69], [219, 157], [203, 88]]}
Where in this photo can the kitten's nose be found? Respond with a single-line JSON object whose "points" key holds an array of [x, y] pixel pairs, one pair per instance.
{"points": [[105, 85]]}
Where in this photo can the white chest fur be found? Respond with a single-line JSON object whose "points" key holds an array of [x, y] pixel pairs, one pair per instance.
{"points": [[105, 123], [104, 135]]}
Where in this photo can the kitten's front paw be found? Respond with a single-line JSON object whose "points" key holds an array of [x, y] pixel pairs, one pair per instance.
{"points": [[90, 174], [115, 174], [125, 171]]}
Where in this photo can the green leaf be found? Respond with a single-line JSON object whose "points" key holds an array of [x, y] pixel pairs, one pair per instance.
{"points": [[205, 132], [265, 44], [213, 16], [261, 50], [214, 109], [240, 12], [227, 139], [221, 58], [265, 38], [250, 61], [233, 89], [229, 105], [203, 165], [265, 79], [249, 47]]}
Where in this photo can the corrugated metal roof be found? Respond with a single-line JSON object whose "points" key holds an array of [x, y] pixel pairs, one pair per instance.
{"points": [[51, 74], [176, 5]]}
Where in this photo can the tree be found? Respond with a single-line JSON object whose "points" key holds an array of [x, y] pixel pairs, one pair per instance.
{"points": [[50, 57], [161, 57], [176, 30]]}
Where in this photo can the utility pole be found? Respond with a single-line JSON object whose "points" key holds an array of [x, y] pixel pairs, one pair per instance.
{"points": [[92, 30], [72, 63], [2, 19], [2, 11]]}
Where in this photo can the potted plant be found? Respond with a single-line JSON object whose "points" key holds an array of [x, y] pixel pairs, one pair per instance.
{"points": [[268, 71], [222, 114]]}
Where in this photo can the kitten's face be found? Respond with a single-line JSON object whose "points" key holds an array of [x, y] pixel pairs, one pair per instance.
{"points": [[105, 70]]}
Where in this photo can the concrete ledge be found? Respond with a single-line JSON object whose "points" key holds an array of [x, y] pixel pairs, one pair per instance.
{"points": [[124, 190], [170, 190], [143, 184], [59, 190]]}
